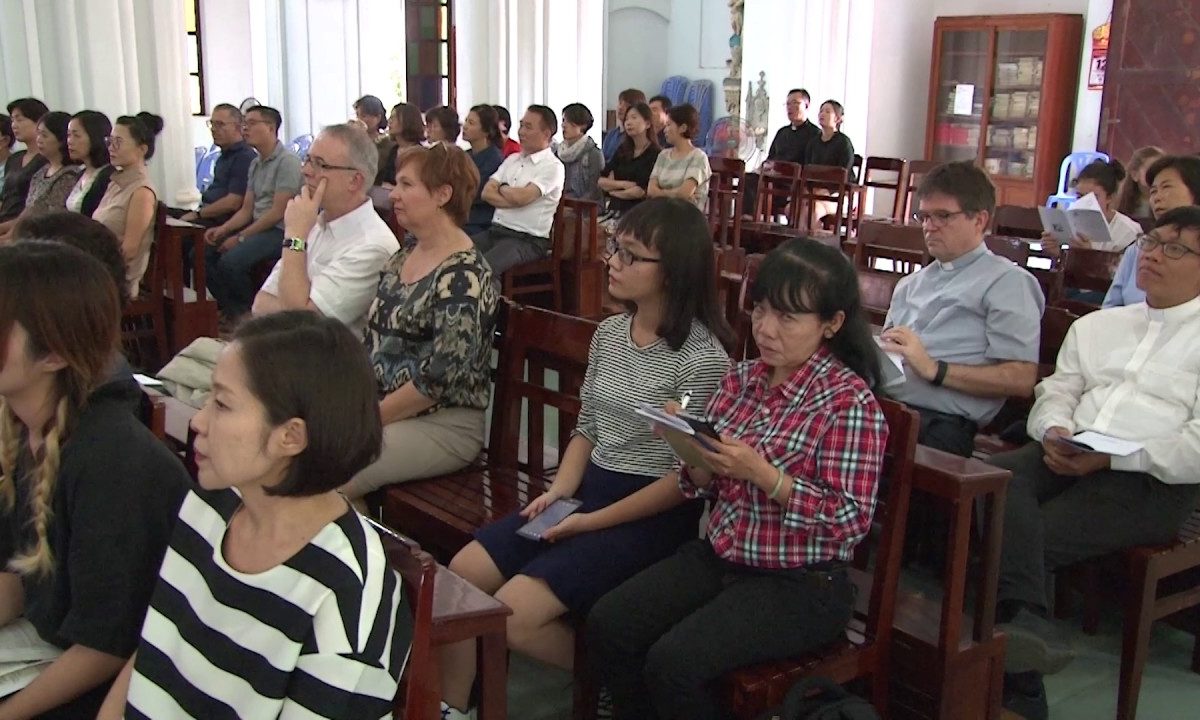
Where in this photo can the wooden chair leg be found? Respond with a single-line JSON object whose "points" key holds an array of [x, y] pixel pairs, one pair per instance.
{"points": [[585, 694], [1089, 574], [1196, 654], [1063, 599], [1135, 643]]}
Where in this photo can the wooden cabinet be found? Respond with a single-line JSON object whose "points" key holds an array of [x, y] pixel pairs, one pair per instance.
{"points": [[1002, 93]]}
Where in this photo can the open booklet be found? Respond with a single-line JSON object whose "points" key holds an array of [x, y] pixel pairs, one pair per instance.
{"points": [[891, 363], [1089, 441], [23, 655], [678, 433], [1084, 218]]}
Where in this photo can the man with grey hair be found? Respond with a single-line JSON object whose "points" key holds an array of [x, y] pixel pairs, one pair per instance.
{"points": [[335, 244]]}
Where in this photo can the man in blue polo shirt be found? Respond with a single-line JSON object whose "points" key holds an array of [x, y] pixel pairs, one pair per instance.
{"points": [[222, 198]]}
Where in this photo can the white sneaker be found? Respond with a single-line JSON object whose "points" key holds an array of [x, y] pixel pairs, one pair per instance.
{"points": [[451, 713]]}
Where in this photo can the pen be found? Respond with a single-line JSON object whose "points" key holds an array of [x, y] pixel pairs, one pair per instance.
{"points": [[684, 399]]}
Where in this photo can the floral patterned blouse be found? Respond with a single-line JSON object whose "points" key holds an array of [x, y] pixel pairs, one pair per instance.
{"points": [[436, 332]]}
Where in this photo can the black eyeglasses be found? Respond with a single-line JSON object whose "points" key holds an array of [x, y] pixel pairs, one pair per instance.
{"points": [[939, 217], [323, 166], [625, 256], [1173, 250]]}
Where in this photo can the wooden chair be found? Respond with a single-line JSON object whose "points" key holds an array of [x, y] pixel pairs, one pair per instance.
{"points": [[824, 186], [444, 512], [917, 170], [1017, 221], [583, 271], [738, 310], [902, 245], [1009, 247], [542, 277], [865, 652], [875, 290], [145, 317], [191, 312], [420, 694], [725, 198], [1088, 269], [777, 184], [894, 180], [153, 412]]}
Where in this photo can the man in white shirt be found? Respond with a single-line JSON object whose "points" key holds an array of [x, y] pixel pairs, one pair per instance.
{"points": [[525, 192], [335, 244], [1131, 373]]}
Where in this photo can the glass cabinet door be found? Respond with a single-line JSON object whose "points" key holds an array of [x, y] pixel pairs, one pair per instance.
{"points": [[964, 66], [1012, 134]]}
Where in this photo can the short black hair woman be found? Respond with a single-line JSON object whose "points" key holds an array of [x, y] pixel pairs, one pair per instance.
{"points": [[580, 156], [792, 480], [661, 267], [50, 185], [87, 142], [681, 170], [88, 495], [276, 597]]}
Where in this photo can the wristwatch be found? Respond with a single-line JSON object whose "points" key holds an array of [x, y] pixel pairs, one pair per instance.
{"points": [[295, 244]]}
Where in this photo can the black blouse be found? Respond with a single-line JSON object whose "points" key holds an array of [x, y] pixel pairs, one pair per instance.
{"points": [[632, 168], [837, 152], [16, 184]]}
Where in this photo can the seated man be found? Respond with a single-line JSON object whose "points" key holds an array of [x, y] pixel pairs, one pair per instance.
{"points": [[255, 232], [789, 144], [612, 139], [335, 243], [659, 105], [1127, 372], [525, 192], [968, 324], [222, 198]]}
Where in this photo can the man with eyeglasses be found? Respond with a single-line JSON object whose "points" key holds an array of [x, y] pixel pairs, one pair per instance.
{"points": [[334, 243], [255, 232], [1131, 373], [231, 172], [788, 145]]}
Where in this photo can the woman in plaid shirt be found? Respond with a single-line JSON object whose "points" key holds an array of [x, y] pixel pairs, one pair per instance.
{"points": [[793, 483]]}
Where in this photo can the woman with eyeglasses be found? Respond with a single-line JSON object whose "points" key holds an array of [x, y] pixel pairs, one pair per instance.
{"points": [[87, 134], [792, 478], [429, 329], [50, 185], [667, 345], [1174, 182], [129, 204]]}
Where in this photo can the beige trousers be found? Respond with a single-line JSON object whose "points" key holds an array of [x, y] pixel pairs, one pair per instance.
{"points": [[421, 447]]}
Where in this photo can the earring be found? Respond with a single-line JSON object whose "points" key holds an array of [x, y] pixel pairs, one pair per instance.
{"points": [[828, 334]]}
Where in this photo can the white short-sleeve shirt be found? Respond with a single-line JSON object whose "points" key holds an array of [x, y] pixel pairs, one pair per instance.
{"points": [[542, 169], [345, 257]]}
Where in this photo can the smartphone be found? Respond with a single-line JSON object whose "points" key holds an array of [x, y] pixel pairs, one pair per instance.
{"points": [[704, 430], [548, 518]]}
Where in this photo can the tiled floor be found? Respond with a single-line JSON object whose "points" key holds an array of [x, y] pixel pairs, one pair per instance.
{"points": [[1086, 690]]}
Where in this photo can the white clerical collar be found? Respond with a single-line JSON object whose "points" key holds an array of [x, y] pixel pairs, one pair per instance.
{"points": [[963, 260], [1176, 313]]}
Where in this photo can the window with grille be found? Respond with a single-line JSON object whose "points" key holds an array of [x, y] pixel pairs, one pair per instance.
{"points": [[429, 28], [194, 54]]}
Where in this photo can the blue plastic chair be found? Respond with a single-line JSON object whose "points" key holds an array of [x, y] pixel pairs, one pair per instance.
{"points": [[675, 88], [201, 151], [1072, 165], [204, 170], [301, 144], [700, 95]]}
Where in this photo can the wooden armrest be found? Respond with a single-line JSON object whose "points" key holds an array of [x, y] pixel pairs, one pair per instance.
{"points": [[952, 477], [461, 610]]}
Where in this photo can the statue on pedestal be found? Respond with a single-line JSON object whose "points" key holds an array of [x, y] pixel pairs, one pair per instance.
{"points": [[757, 107]]}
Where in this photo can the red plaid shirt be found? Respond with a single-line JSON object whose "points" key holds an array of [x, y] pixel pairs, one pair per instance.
{"points": [[825, 430]]}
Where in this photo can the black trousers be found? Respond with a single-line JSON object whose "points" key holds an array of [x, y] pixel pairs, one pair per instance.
{"points": [[658, 640], [1052, 520]]}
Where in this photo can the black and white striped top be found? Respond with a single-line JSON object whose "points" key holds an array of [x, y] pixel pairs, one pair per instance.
{"points": [[621, 376], [310, 638]]}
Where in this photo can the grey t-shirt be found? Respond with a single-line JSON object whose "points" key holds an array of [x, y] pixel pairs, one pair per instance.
{"points": [[279, 172], [979, 309]]}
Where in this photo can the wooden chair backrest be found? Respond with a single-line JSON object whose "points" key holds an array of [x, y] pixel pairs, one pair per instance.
{"points": [[824, 183], [917, 170], [904, 245], [543, 341], [417, 569], [875, 290], [895, 179], [1056, 321], [576, 231], [1089, 269], [1017, 221], [726, 194], [778, 182], [1009, 247], [740, 320], [891, 517], [153, 414]]}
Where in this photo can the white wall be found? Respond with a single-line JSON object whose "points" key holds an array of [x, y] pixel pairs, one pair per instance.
{"points": [[684, 45], [636, 56]]}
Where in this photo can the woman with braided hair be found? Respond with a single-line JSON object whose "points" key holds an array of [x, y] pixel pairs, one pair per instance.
{"points": [[88, 495]]}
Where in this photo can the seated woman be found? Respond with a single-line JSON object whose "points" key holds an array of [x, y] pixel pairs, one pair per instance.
{"points": [[442, 125], [1134, 198], [74, 459], [832, 147], [87, 136], [482, 130], [276, 599], [580, 155], [681, 171], [1174, 182], [626, 179], [792, 480], [666, 345], [429, 330], [129, 204], [49, 186], [406, 128]]}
